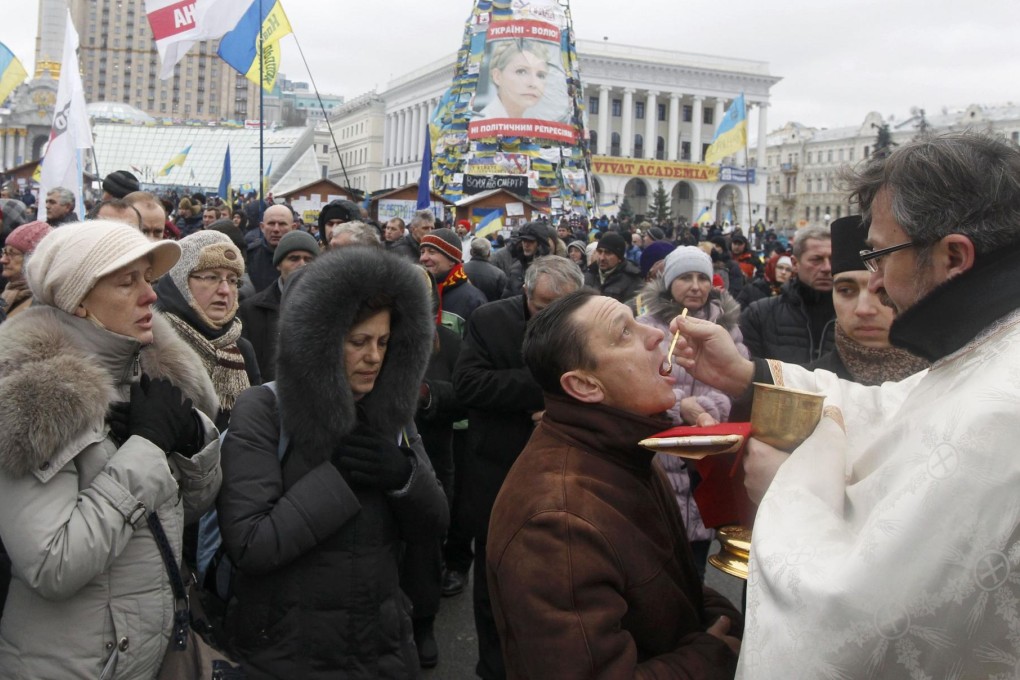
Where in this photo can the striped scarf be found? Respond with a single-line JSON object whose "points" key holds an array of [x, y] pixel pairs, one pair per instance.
{"points": [[454, 278], [220, 356]]}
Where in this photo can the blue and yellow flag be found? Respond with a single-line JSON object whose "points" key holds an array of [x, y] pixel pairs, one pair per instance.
{"points": [[225, 189], [240, 47], [12, 73], [176, 161], [731, 135], [490, 224]]}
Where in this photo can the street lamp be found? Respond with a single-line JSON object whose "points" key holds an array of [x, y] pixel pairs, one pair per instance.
{"points": [[827, 218]]}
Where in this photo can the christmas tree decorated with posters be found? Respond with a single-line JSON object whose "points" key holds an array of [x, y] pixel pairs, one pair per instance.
{"points": [[513, 116]]}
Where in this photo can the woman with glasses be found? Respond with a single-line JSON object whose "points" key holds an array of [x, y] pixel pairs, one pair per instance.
{"points": [[16, 297], [199, 297]]}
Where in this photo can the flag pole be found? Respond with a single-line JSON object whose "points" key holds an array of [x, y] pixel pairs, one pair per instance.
{"points": [[262, 122]]}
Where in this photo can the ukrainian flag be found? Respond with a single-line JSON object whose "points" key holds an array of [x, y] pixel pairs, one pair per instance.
{"points": [[176, 161], [490, 224], [731, 135], [12, 73], [240, 47]]}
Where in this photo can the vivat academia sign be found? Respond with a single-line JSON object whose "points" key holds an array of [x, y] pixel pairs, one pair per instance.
{"points": [[648, 169]]}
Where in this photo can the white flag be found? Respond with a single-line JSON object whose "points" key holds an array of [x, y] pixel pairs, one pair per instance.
{"points": [[178, 24], [70, 135]]}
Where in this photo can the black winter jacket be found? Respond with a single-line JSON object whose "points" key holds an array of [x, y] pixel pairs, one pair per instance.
{"points": [[623, 284], [259, 316], [317, 593], [779, 328], [486, 277], [501, 395]]}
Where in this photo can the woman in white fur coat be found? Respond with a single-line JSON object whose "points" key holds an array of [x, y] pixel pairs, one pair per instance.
{"points": [[97, 431]]}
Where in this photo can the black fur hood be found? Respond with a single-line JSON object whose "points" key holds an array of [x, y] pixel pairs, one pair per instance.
{"points": [[59, 373], [658, 302], [317, 312]]}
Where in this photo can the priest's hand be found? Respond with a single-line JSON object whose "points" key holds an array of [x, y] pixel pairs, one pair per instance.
{"points": [[761, 463], [707, 351]]}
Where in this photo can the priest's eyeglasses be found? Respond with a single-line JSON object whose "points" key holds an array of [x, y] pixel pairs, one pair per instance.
{"points": [[871, 258]]}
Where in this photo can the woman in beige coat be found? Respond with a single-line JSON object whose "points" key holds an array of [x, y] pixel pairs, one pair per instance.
{"points": [[97, 431]]}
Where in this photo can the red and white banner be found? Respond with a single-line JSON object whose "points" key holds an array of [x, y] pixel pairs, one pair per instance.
{"points": [[70, 134], [178, 24], [522, 127]]}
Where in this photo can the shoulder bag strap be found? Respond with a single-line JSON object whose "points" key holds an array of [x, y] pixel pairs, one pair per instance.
{"points": [[179, 637]]}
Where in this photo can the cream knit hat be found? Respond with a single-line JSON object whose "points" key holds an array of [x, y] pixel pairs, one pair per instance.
{"points": [[69, 261]]}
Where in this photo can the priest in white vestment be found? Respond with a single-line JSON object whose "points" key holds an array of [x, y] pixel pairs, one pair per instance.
{"points": [[887, 545]]}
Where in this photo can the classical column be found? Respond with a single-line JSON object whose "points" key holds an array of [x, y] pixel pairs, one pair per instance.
{"points": [[12, 142], [416, 133], [696, 129], [763, 133], [400, 137], [627, 135], [387, 140], [673, 141], [604, 115], [3, 149], [651, 123], [409, 136]]}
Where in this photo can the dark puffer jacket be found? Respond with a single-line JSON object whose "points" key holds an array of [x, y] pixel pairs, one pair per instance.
{"points": [[779, 328], [623, 284], [317, 585]]}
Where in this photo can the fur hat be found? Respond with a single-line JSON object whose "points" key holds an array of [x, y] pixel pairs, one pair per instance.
{"points": [[69, 261], [445, 241], [120, 183], [339, 209], [683, 260], [848, 237], [653, 253], [292, 241], [614, 243], [26, 237]]}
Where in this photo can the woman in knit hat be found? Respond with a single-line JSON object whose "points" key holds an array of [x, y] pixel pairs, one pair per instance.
{"points": [[200, 298], [686, 282], [16, 297], [98, 436]]}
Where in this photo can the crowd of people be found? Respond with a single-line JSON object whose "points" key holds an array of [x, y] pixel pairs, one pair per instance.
{"points": [[335, 424]]}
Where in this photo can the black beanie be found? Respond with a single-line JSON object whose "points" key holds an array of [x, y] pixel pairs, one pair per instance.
{"points": [[120, 183], [348, 211], [614, 243], [848, 236]]}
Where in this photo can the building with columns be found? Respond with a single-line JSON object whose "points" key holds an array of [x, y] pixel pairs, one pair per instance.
{"points": [[651, 113], [803, 163]]}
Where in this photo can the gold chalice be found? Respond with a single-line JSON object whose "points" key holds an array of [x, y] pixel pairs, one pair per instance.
{"points": [[780, 417]]}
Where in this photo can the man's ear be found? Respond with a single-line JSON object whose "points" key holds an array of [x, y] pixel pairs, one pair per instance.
{"points": [[582, 386], [960, 255], [81, 312]]}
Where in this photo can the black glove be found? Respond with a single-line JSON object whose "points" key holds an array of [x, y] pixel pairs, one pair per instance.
{"points": [[366, 459], [161, 414], [119, 420]]}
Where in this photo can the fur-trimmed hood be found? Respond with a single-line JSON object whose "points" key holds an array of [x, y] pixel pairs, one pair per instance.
{"points": [[721, 307], [317, 312], [59, 373]]}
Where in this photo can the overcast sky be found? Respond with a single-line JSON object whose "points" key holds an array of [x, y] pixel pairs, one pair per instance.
{"points": [[838, 59]]}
